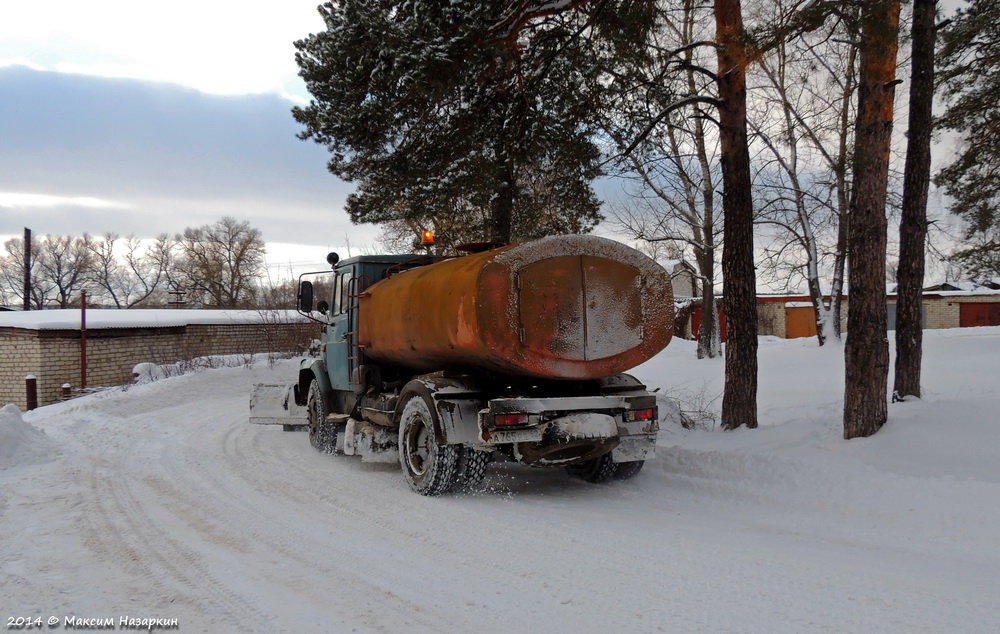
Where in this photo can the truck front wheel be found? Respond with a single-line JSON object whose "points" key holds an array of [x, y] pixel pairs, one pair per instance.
{"points": [[322, 433], [429, 467]]}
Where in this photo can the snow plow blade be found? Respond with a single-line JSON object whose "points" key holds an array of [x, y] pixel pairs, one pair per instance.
{"points": [[274, 404]]}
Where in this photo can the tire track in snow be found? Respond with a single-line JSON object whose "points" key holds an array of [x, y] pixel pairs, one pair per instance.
{"points": [[379, 504], [526, 551], [123, 532], [200, 485]]}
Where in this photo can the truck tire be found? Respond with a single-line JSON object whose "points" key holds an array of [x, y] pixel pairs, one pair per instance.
{"points": [[322, 433], [628, 470], [429, 468], [470, 468], [597, 471]]}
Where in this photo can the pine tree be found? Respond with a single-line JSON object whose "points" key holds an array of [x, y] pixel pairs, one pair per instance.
{"points": [[430, 107], [969, 61], [913, 225], [739, 403], [867, 350]]}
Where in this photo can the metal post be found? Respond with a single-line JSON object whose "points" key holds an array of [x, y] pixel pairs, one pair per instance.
{"points": [[83, 340], [67, 390], [31, 391]]}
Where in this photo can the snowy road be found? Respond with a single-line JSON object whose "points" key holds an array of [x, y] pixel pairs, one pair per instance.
{"points": [[161, 501]]}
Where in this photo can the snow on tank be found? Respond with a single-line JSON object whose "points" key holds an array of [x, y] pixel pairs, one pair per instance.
{"points": [[573, 307]]}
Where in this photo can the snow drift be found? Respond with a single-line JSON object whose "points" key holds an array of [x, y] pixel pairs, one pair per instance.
{"points": [[20, 443]]}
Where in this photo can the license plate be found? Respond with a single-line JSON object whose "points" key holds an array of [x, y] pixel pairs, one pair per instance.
{"points": [[516, 435]]}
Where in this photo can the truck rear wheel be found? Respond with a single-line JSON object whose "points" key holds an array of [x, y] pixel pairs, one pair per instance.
{"points": [[604, 469], [470, 468], [322, 433], [596, 471], [628, 470], [429, 468]]}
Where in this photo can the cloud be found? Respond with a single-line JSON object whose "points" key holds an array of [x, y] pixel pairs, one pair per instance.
{"points": [[20, 61], [92, 154], [14, 199], [219, 47]]}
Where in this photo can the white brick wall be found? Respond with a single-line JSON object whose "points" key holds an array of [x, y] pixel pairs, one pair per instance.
{"points": [[54, 356]]}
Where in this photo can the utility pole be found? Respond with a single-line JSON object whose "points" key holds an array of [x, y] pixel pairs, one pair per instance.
{"points": [[27, 268]]}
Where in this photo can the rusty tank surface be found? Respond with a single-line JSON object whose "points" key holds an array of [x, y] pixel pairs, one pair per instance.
{"points": [[563, 307]]}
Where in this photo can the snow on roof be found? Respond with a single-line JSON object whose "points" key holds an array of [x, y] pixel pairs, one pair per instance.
{"points": [[69, 318], [957, 288], [978, 291]]}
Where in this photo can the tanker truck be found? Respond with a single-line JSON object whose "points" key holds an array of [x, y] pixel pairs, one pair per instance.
{"points": [[514, 352]]}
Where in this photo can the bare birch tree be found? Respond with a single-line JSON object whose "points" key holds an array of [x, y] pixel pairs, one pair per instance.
{"points": [[134, 276], [12, 273], [64, 265], [675, 167], [60, 269], [806, 108], [219, 264]]}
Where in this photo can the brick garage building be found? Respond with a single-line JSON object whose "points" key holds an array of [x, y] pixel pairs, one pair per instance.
{"points": [[47, 344], [958, 306], [944, 306], [791, 316]]}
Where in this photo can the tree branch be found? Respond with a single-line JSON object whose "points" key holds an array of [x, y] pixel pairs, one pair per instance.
{"points": [[687, 101]]}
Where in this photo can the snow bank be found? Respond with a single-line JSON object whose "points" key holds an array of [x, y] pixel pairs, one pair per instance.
{"points": [[147, 373], [20, 443]]}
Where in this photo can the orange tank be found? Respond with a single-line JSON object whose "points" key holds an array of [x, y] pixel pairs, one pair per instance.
{"points": [[569, 307]]}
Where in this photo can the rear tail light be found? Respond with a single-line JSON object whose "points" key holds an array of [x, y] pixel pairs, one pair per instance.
{"points": [[633, 415], [510, 419]]}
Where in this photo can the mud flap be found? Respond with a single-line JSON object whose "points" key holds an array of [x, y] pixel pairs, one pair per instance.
{"points": [[635, 448], [274, 404]]}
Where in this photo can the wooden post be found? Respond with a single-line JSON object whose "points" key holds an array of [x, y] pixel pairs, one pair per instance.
{"points": [[67, 390]]}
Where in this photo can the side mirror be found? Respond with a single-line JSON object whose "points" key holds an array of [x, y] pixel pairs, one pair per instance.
{"points": [[322, 306], [305, 297]]}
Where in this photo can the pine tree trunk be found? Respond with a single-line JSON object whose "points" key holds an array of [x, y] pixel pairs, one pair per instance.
{"points": [[708, 334], [502, 207], [739, 401], [867, 348], [913, 225], [708, 330]]}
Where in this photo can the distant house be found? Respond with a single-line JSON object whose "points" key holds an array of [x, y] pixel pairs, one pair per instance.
{"points": [[683, 278]]}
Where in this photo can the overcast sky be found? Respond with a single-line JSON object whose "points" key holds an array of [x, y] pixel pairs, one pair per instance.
{"points": [[146, 118]]}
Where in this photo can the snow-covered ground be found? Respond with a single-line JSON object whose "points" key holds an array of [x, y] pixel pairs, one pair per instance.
{"points": [[160, 501]]}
